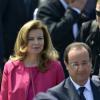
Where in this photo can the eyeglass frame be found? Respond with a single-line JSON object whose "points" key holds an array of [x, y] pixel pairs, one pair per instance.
{"points": [[76, 65]]}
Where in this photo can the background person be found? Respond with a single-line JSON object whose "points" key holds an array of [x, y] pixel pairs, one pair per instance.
{"points": [[63, 19], [90, 34], [13, 14]]}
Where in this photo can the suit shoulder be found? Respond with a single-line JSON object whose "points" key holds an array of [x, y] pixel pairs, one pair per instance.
{"points": [[87, 23], [57, 88], [96, 82]]}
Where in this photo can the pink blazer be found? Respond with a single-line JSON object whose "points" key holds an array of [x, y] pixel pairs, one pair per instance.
{"points": [[16, 80]]}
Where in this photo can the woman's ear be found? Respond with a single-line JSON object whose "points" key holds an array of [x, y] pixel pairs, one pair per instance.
{"points": [[66, 64]]}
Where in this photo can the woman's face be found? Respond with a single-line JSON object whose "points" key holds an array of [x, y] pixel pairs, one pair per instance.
{"points": [[35, 42]]}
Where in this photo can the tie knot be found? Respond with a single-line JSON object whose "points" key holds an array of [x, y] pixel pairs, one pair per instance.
{"points": [[81, 89]]}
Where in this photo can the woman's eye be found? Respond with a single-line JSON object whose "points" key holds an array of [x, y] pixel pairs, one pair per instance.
{"points": [[30, 39], [40, 38]]}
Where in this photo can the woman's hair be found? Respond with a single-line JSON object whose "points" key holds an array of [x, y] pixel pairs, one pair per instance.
{"points": [[98, 1], [20, 49]]}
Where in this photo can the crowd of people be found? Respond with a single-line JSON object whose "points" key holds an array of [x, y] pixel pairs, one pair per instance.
{"points": [[50, 50], [63, 19]]}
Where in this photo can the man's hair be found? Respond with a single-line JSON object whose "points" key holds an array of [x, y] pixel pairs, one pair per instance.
{"points": [[76, 45]]}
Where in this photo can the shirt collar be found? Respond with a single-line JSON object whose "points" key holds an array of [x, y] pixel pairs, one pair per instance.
{"points": [[65, 5], [87, 85]]}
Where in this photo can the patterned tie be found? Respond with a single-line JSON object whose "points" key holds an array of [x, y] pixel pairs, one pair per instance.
{"points": [[81, 90]]}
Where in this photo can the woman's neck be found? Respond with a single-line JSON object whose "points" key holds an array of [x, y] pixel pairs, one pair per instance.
{"points": [[31, 61]]}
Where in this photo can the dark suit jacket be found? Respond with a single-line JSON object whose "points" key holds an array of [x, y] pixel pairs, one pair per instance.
{"points": [[60, 23], [90, 34], [12, 16], [89, 9], [66, 91]]}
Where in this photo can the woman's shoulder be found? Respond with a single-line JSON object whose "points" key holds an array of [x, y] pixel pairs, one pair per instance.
{"points": [[54, 62], [11, 64]]}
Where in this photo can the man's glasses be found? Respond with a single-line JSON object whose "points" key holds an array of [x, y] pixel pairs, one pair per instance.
{"points": [[76, 65], [98, 13]]}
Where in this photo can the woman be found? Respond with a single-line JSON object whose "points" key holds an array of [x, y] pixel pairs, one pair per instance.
{"points": [[33, 67]]}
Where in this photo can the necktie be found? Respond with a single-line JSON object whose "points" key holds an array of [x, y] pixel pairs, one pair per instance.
{"points": [[81, 90], [75, 30]]}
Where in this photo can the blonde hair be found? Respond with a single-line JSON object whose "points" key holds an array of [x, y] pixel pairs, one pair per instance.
{"points": [[98, 1], [20, 49]]}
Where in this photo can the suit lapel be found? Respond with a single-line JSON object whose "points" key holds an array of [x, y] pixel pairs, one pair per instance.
{"points": [[95, 90], [94, 26], [73, 94]]}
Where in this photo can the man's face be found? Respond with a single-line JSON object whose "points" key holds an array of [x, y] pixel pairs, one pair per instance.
{"points": [[80, 4], [69, 1], [79, 65]]}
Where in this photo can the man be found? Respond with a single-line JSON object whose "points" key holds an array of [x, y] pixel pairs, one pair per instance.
{"points": [[63, 19], [90, 34], [78, 59]]}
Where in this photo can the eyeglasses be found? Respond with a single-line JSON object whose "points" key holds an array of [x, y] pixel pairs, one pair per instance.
{"points": [[98, 13], [76, 65]]}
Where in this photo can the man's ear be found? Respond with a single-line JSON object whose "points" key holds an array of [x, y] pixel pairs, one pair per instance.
{"points": [[91, 64], [92, 69]]}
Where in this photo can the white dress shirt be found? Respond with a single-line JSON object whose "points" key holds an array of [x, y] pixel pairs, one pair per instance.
{"points": [[87, 92]]}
